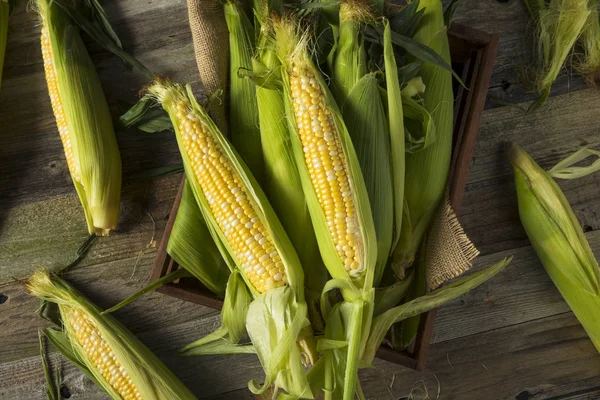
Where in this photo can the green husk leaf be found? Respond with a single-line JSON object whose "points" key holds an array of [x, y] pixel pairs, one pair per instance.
{"points": [[559, 25], [233, 316], [390, 296], [62, 343], [558, 240], [450, 11], [192, 246], [274, 322], [350, 60], [422, 51], [101, 33], [95, 149], [382, 323], [397, 133], [243, 114], [419, 126], [146, 117], [282, 183], [406, 21], [52, 389], [408, 72], [566, 170], [365, 117], [588, 64], [312, 5], [432, 164], [179, 273], [149, 375]]}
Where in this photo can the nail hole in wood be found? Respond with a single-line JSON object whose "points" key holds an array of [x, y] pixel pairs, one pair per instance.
{"points": [[65, 393], [3, 298], [524, 395]]}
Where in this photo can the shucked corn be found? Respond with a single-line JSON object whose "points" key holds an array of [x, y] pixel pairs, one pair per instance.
{"points": [[327, 167], [230, 203]]}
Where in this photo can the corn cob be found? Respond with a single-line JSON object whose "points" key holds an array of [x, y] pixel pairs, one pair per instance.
{"points": [[229, 200], [282, 182], [250, 238], [558, 240], [104, 350], [332, 180], [82, 117]]}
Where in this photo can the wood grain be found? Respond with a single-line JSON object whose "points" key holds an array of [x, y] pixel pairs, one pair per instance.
{"points": [[512, 338]]}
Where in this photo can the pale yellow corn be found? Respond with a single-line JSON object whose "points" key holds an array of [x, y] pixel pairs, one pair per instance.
{"points": [[90, 339], [57, 105], [326, 164], [231, 205]]}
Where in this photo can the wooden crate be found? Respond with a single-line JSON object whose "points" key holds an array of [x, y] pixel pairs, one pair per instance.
{"points": [[473, 53]]}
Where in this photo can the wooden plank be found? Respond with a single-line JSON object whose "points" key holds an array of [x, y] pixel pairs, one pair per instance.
{"points": [[511, 21], [489, 213], [549, 357]]}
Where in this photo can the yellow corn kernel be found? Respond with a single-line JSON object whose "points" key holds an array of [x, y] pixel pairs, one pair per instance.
{"points": [[328, 170], [98, 350], [56, 101], [231, 205]]}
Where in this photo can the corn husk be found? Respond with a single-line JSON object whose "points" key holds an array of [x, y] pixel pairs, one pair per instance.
{"points": [[558, 240], [356, 286], [427, 170], [559, 24], [588, 64], [149, 375], [350, 60], [243, 113], [97, 163], [282, 182], [278, 357], [365, 117], [193, 248]]}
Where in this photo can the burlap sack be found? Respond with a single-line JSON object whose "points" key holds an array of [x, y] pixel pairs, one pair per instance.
{"points": [[211, 45], [449, 251]]}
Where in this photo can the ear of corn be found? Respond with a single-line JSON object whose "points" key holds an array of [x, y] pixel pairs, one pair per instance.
{"points": [[282, 182], [106, 350], [331, 177], [427, 170], [364, 115], [243, 114], [333, 185], [558, 240], [193, 248], [350, 61], [82, 117], [233, 205], [559, 24], [242, 223]]}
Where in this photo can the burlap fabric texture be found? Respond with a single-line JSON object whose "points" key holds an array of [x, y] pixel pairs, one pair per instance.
{"points": [[211, 45], [449, 251]]}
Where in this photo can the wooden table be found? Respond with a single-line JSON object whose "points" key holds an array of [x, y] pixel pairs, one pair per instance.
{"points": [[513, 338]]}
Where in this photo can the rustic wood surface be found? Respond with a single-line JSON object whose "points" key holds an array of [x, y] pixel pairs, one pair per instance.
{"points": [[512, 338]]}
